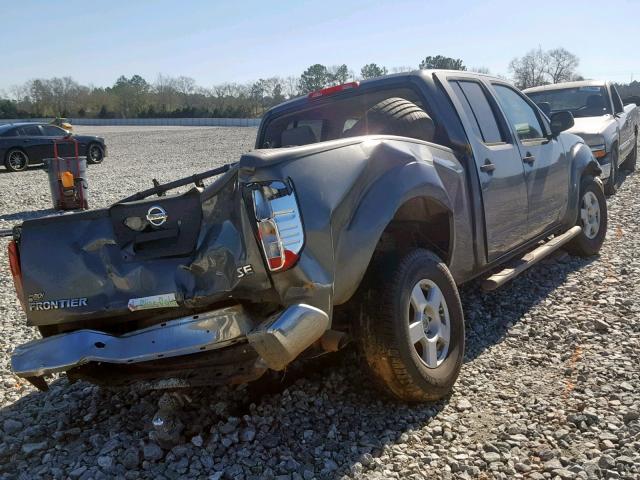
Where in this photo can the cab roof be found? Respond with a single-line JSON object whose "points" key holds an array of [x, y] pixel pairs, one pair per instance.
{"points": [[558, 86], [303, 101]]}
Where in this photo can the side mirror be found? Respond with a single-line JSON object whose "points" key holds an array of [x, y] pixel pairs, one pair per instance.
{"points": [[561, 121]]}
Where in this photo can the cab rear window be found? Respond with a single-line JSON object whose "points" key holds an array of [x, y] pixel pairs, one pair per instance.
{"points": [[341, 117]]}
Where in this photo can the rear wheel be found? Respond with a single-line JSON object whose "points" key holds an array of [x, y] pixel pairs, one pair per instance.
{"points": [[592, 217], [16, 160], [411, 334], [611, 185]]}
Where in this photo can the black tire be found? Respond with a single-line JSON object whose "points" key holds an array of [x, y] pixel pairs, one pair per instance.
{"points": [[632, 159], [395, 116], [382, 332], [95, 153], [585, 244], [11, 162], [611, 185]]}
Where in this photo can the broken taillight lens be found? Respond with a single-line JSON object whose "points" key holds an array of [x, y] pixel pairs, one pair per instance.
{"points": [[16, 272], [279, 224]]}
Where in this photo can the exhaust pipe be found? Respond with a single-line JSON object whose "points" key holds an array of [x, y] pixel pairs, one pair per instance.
{"points": [[279, 340], [333, 340]]}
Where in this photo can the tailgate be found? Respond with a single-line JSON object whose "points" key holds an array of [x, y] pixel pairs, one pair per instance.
{"points": [[160, 254]]}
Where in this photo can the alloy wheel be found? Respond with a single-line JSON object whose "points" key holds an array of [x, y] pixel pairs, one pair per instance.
{"points": [[17, 160], [590, 215], [429, 323]]}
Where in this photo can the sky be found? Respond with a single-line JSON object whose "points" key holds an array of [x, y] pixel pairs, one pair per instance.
{"points": [[243, 40]]}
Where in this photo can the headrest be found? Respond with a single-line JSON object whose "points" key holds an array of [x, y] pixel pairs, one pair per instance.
{"points": [[297, 136]]}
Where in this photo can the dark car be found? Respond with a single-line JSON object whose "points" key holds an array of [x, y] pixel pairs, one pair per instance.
{"points": [[24, 144]]}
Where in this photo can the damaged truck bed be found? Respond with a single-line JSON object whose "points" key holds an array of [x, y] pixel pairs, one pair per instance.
{"points": [[356, 217]]}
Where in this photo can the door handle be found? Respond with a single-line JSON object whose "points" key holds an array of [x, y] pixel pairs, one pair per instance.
{"points": [[488, 166], [529, 159]]}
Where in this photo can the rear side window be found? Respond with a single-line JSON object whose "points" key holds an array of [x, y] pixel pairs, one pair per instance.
{"points": [[30, 131], [348, 115], [478, 110]]}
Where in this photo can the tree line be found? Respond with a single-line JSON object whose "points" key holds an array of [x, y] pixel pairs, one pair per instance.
{"points": [[167, 96], [136, 97]]}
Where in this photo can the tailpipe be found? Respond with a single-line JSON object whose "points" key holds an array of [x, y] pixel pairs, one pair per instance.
{"points": [[333, 341], [279, 340]]}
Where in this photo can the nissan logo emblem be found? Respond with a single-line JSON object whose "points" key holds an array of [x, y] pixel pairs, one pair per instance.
{"points": [[157, 216]]}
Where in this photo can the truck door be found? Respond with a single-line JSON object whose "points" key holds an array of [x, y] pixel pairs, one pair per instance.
{"points": [[543, 157], [498, 164]]}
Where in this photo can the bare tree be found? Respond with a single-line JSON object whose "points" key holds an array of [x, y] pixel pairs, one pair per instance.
{"points": [[530, 70], [402, 69], [186, 87], [539, 67], [19, 92], [480, 69], [561, 65], [290, 85], [166, 92]]}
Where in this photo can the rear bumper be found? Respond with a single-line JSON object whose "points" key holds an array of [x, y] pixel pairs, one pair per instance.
{"points": [[277, 340]]}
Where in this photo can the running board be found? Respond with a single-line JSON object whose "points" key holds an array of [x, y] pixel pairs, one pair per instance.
{"points": [[531, 258]]}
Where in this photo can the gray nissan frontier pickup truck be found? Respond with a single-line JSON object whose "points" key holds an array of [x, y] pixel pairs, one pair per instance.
{"points": [[362, 209]]}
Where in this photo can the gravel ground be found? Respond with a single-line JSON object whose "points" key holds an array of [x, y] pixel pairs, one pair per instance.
{"points": [[550, 387]]}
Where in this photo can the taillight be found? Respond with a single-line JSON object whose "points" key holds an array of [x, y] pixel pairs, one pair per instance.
{"points": [[16, 272], [331, 90], [279, 224]]}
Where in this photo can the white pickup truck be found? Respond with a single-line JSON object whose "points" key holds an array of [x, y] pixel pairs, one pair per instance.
{"points": [[606, 125]]}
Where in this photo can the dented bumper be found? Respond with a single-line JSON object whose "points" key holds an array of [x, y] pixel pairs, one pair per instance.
{"points": [[277, 340]]}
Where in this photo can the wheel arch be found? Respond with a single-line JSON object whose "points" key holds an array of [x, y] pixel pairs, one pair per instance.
{"points": [[419, 221]]}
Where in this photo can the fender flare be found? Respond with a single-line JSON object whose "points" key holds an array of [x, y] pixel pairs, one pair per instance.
{"points": [[582, 163], [376, 210]]}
